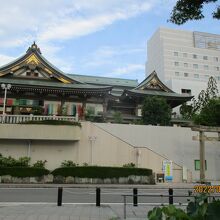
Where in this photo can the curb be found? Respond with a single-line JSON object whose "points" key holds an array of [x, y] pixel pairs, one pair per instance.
{"points": [[114, 186]]}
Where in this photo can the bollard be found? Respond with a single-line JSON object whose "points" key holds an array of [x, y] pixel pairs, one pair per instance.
{"points": [[135, 197], [98, 195], [170, 196], [189, 192], [59, 197]]}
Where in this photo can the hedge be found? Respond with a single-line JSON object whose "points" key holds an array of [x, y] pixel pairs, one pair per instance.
{"points": [[100, 172], [53, 122], [23, 171]]}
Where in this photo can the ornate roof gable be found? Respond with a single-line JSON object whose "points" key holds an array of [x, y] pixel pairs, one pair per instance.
{"points": [[33, 65], [152, 82]]}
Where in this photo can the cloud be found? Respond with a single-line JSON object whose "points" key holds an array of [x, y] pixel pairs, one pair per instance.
{"points": [[128, 69], [24, 20], [108, 55], [76, 26], [4, 59], [50, 24]]}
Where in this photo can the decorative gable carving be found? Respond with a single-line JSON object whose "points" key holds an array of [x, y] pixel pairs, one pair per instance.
{"points": [[152, 82], [34, 65]]}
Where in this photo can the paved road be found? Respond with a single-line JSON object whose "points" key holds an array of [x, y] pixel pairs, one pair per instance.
{"points": [[84, 195]]}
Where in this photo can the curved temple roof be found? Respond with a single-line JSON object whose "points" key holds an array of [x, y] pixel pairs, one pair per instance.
{"points": [[153, 86], [33, 70], [33, 60]]}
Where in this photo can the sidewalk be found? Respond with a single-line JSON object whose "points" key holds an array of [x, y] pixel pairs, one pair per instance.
{"points": [[72, 212]]}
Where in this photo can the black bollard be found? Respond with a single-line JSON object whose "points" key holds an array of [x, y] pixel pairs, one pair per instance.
{"points": [[135, 197], [59, 197], [170, 196], [98, 195]]}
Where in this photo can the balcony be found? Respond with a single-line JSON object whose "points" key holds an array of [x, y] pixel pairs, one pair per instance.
{"points": [[11, 128], [17, 119]]}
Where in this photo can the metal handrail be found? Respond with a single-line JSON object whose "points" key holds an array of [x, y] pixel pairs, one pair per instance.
{"points": [[159, 195]]}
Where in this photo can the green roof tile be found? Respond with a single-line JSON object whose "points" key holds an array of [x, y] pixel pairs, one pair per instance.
{"points": [[104, 80]]}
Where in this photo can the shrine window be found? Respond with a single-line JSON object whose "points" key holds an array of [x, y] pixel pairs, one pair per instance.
{"points": [[32, 74]]}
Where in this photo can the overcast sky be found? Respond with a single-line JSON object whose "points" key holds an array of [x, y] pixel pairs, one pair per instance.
{"points": [[89, 37]]}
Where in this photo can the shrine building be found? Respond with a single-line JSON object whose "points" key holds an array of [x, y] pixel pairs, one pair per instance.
{"points": [[37, 87]]}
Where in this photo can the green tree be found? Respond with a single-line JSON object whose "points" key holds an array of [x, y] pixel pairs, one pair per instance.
{"points": [[117, 117], [210, 114], [189, 111], [155, 110], [186, 10]]}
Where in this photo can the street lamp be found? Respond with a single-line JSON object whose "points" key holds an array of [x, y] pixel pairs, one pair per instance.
{"points": [[5, 87], [92, 140]]}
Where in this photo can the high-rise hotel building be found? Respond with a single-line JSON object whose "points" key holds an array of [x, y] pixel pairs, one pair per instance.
{"points": [[184, 60]]}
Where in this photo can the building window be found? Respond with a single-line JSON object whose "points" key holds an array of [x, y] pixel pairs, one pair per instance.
{"points": [[197, 165], [194, 56], [186, 91], [205, 57], [176, 63], [185, 64], [216, 59], [206, 67], [186, 74], [216, 68], [195, 66], [31, 74], [176, 54], [35, 74], [177, 73], [218, 78], [196, 76], [184, 54]]}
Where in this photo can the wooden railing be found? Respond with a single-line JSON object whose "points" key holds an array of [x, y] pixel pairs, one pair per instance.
{"points": [[15, 119]]}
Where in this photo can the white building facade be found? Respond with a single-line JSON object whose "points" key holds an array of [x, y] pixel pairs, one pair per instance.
{"points": [[184, 60]]}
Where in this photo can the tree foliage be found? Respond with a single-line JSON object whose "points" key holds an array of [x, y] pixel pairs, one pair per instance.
{"points": [[117, 117], [186, 10], [205, 109], [155, 110], [210, 114], [196, 210]]}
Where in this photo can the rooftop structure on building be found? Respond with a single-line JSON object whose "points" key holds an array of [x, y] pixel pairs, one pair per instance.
{"points": [[184, 60]]}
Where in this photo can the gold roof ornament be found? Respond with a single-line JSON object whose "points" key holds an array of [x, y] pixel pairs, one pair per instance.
{"points": [[15, 68], [48, 71], [32, 60], [63, 80]]}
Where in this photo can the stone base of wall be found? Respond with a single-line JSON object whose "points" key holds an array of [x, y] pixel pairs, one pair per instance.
{"points": [[76, 180]]}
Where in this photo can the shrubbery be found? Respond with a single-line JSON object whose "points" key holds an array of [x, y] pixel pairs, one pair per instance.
{"points": [[68, 163], [198, 210], [100, 172], [23, 171], [53, 122], [21, 168], [129, 165], [12, 162], [39, 164]]}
